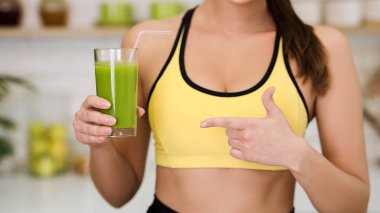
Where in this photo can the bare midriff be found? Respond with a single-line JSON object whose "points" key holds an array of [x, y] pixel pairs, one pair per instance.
{"points": [[225, 190]]}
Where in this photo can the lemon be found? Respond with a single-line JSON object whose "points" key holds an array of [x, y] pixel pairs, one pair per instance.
{"points": [[44, 167]]}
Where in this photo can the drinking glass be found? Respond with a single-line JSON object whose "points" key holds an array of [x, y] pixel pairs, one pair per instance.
{"points": [[116, 81]]}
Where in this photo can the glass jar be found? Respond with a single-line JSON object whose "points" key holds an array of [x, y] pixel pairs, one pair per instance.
{"points": [[47, 148], [116, 13], [309, 11], [54, 12], [47, 134], [160, 9], [344, 13], [372, 10], [10, 12]]}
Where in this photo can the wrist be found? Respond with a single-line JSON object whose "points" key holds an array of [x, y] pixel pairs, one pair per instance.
{"points": [[299, 154]]}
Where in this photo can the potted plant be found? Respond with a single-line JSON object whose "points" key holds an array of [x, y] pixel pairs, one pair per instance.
{"points": [[6, 124]]}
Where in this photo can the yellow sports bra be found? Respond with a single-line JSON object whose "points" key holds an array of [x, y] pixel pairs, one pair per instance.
{"points": [[177, 105]]}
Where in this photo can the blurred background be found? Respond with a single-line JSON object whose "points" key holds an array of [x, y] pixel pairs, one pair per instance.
{"points": [[46, 70]]}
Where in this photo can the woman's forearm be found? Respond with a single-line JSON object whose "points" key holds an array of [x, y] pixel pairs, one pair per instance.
{"points": [[112, 174], [329, 188]]}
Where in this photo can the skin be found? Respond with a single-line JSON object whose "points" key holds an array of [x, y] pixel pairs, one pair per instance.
{"points": [[335, 181]]}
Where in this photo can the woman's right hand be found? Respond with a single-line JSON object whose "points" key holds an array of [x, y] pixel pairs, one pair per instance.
{"points": [[92, 126]]}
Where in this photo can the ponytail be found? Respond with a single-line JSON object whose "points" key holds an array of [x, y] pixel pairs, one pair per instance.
{"points": [[302, 44]]}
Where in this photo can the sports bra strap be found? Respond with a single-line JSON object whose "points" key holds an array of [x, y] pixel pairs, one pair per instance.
{"points": [[187, 17]]}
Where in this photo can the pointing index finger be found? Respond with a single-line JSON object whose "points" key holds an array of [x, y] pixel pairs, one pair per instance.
{"points": [[236, 123]]}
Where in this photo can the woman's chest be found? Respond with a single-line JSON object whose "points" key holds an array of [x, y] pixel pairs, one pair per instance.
{"points": [[227, 65]]}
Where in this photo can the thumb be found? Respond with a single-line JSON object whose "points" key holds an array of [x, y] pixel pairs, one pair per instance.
{"points": [[268, 102]]}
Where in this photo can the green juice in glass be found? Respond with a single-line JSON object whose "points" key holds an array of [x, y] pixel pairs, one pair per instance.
{"points": [[117, 83]]}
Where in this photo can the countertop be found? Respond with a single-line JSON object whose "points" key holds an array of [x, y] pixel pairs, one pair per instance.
{"points": [[21, 193]]}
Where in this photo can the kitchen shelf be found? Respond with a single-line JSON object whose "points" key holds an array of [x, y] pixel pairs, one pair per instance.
{"points": [[61, 32], [365, 29], [98, 32]]}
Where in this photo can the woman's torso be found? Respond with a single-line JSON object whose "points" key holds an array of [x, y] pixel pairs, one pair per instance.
{"points": [[216, 189], [225, 190]]}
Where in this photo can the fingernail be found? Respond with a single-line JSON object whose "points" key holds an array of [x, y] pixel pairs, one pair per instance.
{"points": [[106, 104], [203, 124], [111, 121]]}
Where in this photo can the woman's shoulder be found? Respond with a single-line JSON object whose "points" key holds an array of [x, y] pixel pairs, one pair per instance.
{"points": [[339, 54], [153, 50], [332, 39]]}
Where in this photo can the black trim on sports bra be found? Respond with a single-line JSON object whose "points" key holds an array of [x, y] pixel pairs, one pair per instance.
{"points": [[187, 22], [290, 72], [168, 60]]}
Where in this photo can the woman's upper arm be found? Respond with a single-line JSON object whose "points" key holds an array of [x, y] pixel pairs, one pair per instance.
{"points": [[339, 112], [152, 53], [134, 149]]}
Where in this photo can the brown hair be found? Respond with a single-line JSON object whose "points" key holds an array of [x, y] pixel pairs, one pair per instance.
{"points": [[302, 44]]}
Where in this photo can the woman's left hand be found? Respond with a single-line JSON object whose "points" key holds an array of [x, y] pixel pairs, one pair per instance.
{"points": [[268, 140]]}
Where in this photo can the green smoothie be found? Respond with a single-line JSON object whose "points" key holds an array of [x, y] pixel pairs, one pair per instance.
{"points": [[117, 83]]}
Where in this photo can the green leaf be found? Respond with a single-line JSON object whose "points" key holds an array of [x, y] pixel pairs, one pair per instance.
{"points": [[7, 124], [7, 80], [17, 81], [4, 89], [6, 147]]}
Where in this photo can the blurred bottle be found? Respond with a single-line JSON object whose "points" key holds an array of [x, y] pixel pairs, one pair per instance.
{"points": [[10, 12], [83, 13], [165, 9], [54, 12], [82, 164], [30, 15]]}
